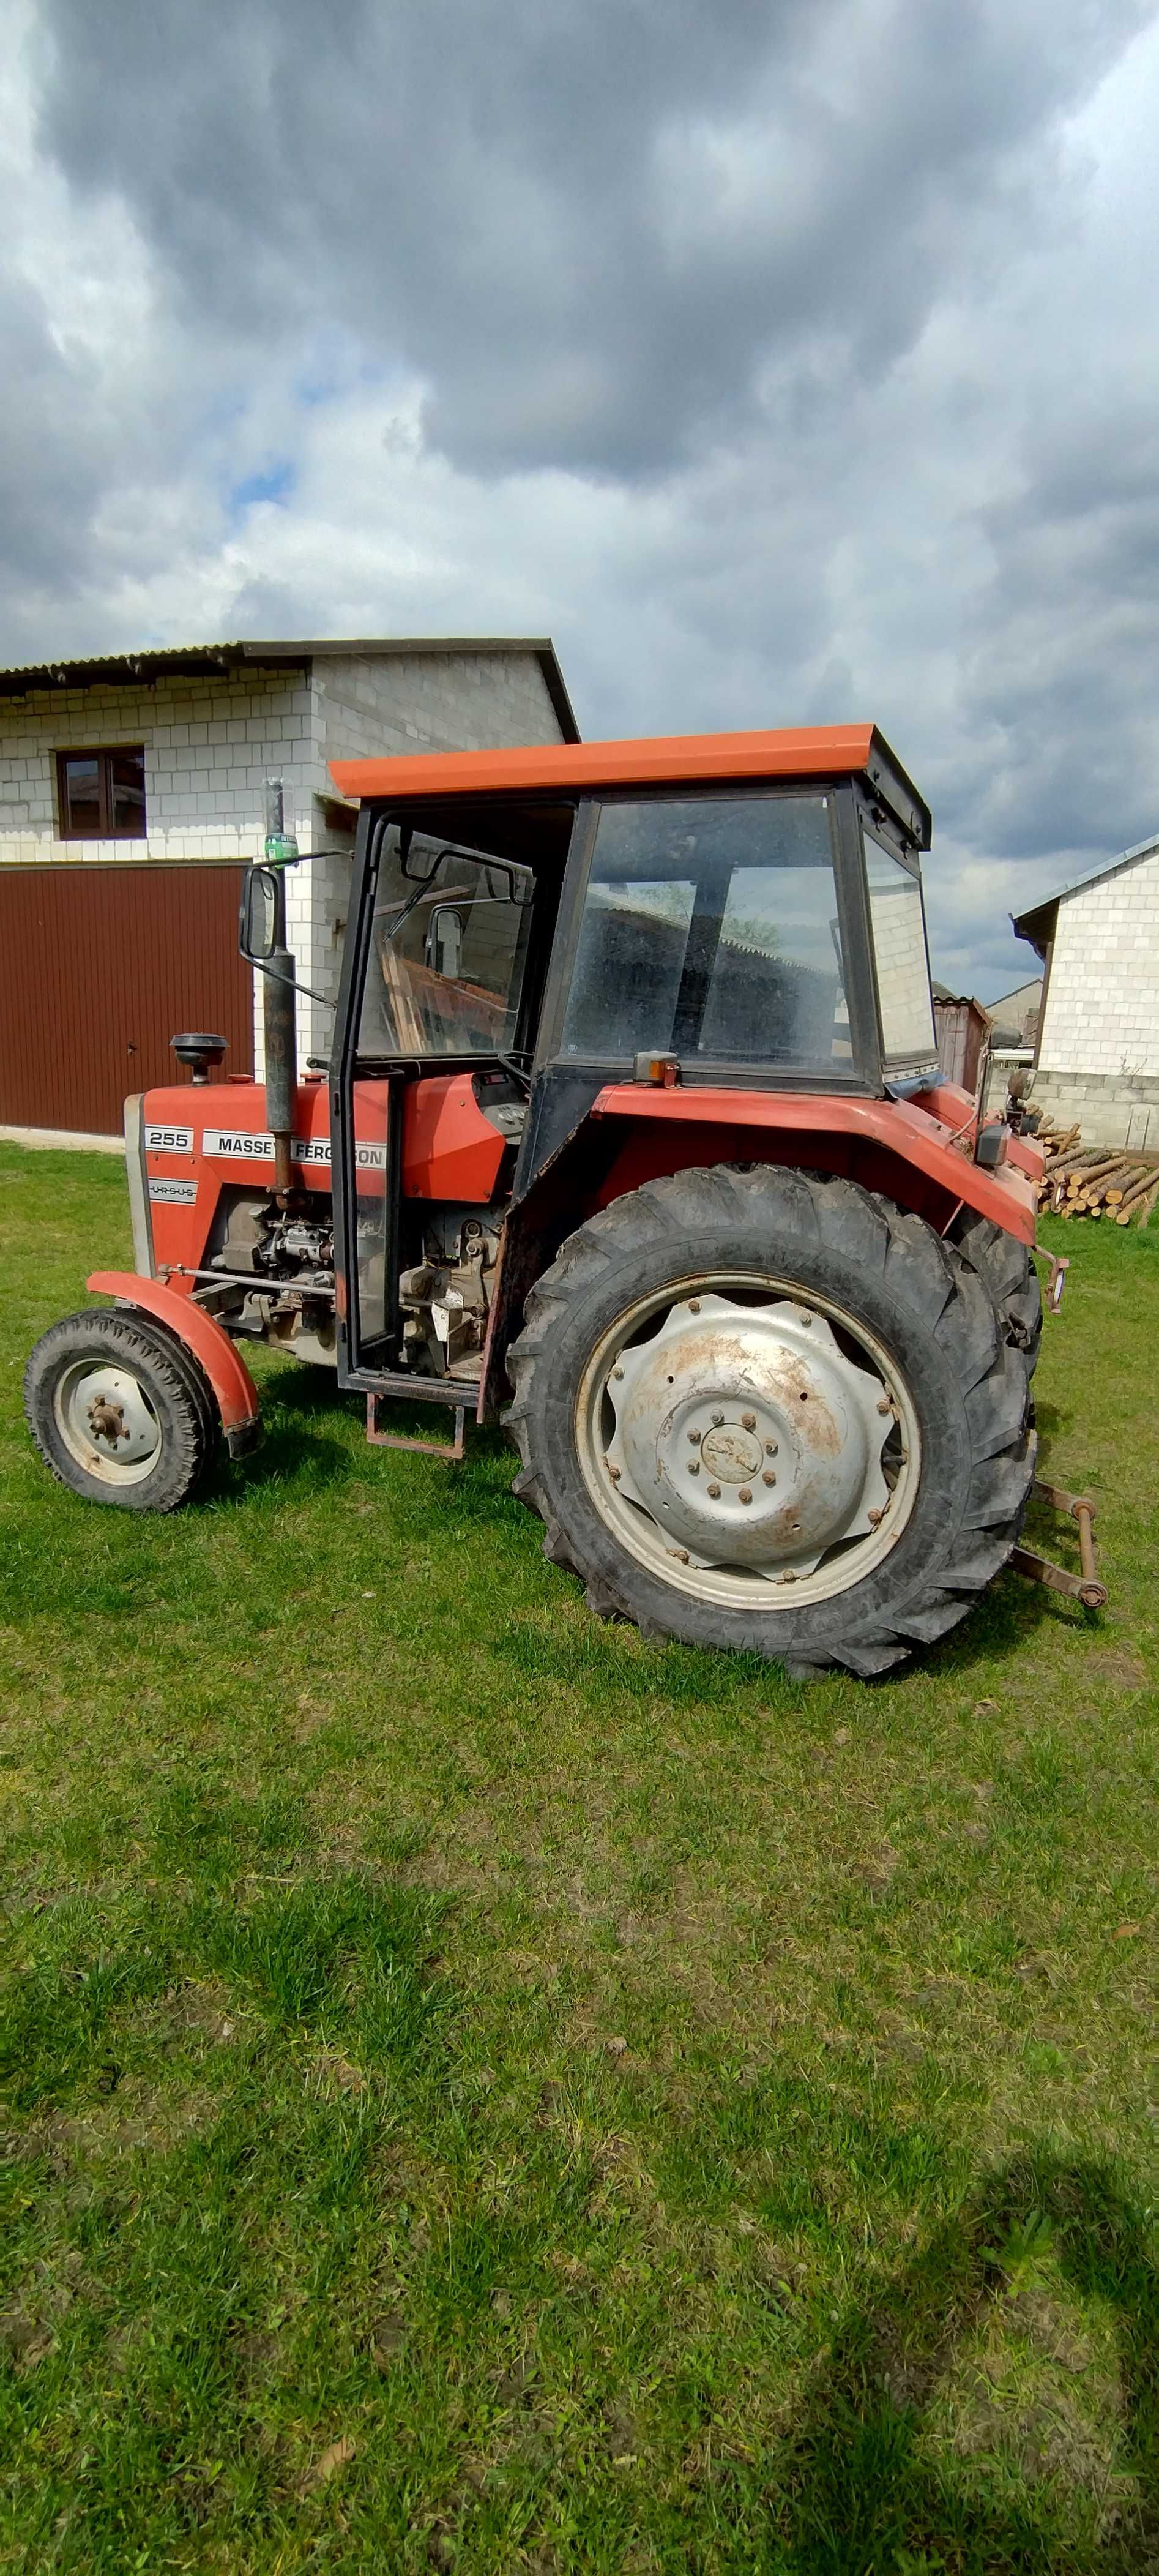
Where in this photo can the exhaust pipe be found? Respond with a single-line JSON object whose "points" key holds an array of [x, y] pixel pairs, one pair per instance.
{"points": [[279, 1003]]}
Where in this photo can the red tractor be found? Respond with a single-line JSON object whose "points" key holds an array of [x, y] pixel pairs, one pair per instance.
{"points": [[633, 1138]]}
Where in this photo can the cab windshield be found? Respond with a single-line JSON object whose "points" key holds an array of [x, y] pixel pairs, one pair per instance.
{"points": [[710, 930]]}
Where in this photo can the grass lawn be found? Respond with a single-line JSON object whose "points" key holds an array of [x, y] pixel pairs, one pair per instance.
{"points": [[488, 2093]]}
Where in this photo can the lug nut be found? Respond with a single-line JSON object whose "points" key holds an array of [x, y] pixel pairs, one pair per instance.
{"points": [[613, 1472], [714, 1490], [806, 1319], [768, 1478], [694, 1305], [694, 1466], [749, 1421], [717, 1421], [745, 1495], [770, 1448], [694, 1436], [617, 1372], [885, 1405], [874, 1517]]}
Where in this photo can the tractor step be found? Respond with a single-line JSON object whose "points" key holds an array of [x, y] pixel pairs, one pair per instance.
{"points": [[454, 1449]]}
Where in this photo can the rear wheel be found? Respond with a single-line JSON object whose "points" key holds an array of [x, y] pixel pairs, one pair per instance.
{"points": [[765, 1410], [119, 1411]]}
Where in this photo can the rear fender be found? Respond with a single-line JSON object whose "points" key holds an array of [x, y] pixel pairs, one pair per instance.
{"points": [[927, 1146], [233, 1387]]}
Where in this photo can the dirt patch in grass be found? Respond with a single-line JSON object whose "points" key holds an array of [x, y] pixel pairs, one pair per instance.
{"points": [[137, 2114], [1117, 1668]]}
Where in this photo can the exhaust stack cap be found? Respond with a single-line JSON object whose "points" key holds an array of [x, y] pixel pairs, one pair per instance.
{"points": [[198, 1048]]}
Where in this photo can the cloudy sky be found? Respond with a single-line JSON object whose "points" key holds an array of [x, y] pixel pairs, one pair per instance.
{"points": [[786, 360]]}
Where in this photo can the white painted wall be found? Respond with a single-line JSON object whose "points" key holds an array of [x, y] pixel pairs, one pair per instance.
{"points": [[208, 742], [1101, 1013]]}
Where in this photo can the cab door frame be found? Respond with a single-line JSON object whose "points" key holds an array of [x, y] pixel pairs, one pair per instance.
{"points": [[362, 1358]]}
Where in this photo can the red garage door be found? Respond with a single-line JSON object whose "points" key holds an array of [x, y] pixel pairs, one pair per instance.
{"points": [[98, 967]]}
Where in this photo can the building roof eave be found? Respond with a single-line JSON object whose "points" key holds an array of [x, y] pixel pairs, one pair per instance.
{"points": [[1037, 923], [186, 661]]}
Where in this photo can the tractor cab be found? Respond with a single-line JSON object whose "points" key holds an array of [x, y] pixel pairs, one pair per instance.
{"points": [[514, 955]]}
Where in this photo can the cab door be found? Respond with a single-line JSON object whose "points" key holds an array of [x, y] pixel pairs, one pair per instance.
{"points": [[432, 978]]}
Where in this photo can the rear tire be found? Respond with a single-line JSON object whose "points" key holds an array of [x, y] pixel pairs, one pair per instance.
{"points": [[896, 1304], [1007, 1269], [120, 1411]]}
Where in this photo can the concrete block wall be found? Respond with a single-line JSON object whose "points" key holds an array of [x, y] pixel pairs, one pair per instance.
{"points": [[1101, 1009], [209, 745], [1110, 1111], [410, 702]]}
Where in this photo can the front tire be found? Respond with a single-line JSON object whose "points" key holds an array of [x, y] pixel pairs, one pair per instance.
{"points": [[811, 1339], [119, 1411]]}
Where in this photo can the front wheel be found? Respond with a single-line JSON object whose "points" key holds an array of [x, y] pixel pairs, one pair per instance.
{"points": [[120, 1411], [766, 1410]]}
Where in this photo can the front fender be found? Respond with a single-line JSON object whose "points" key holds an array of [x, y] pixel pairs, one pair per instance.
{"points": [[237, 1396]]}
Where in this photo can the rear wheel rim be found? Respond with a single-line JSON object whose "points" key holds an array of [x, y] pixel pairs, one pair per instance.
{"points": [[754, 1445], [107, 1422]]}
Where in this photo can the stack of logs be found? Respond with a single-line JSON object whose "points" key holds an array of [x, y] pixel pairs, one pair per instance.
{"points": [[1089, 1180]]}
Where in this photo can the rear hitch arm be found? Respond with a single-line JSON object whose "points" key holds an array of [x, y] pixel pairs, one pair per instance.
{"points": [[1086, 1587]]}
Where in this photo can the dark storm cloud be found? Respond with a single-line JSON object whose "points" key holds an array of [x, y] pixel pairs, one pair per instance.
{"points": [[591, 228]]}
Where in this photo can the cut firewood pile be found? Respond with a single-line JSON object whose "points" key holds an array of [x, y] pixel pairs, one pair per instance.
{"points": [[1089, 1180]]}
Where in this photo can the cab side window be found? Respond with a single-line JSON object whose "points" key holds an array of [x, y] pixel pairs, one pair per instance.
{"points": [[448, 951]]}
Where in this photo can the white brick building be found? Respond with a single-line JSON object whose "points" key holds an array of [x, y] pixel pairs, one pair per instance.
{"points": [[1097, 1056], [160, 758]]}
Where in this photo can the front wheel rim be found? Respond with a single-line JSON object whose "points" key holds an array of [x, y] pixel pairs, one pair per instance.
{"points": [[107, 1423], [755, 1446]]}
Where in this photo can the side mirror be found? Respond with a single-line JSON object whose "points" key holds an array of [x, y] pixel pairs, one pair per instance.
{"points": [[443, 946], [258, 917]]}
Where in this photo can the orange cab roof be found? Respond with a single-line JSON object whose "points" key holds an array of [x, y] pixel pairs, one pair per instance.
{"points": [[816, 750], [567, 768]]}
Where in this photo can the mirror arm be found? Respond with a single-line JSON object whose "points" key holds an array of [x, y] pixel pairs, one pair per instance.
{"points": [[261, 966]]}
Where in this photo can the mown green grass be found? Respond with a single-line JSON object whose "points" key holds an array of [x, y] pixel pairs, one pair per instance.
{"points": [[487, 2093]]}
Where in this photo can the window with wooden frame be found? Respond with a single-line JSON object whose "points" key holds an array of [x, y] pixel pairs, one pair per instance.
{"points": [[101, 794]]}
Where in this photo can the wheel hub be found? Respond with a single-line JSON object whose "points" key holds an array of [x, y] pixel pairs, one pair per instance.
{"points": [[749, 1435], [731, 1454], [106, 1418]]}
